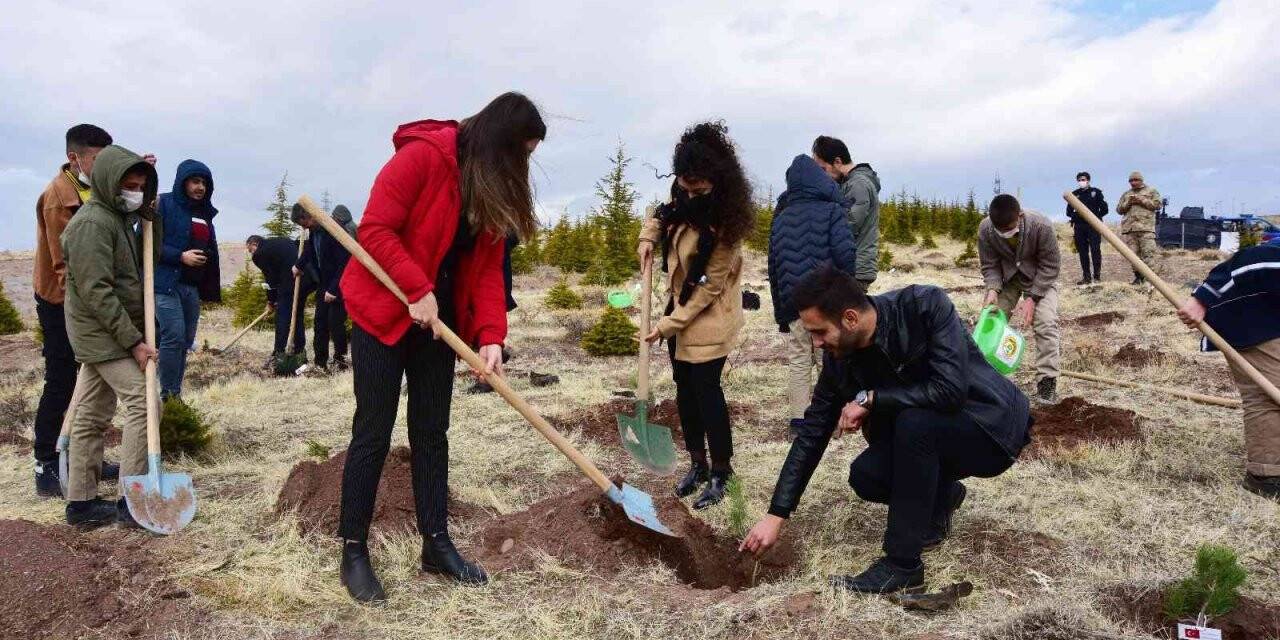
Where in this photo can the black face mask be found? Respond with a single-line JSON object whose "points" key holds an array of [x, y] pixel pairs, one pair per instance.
{"points": [[695, 211]]}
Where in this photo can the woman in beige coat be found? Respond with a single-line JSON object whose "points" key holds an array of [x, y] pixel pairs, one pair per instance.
{"points": [[700, 234]]}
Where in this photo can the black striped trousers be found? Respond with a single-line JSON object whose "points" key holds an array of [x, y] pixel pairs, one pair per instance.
{"points": [[428, 364]]}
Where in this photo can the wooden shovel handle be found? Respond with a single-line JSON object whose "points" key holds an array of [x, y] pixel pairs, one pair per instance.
{"points": [[1165, 290], [297, 286], [1178, 393], [246, 329], [76, 394], [473, 359], [149, 320], [646, 313]]}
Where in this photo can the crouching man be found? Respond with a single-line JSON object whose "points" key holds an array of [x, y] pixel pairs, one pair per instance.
{"points": [[105, 326], [901, 368]]}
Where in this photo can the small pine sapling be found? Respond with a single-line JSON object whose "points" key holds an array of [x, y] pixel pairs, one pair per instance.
{"points": [[967, 257], [183, 430], [1212, 590], [885, 261], [613, 335], [562, 297], [10, 321]]}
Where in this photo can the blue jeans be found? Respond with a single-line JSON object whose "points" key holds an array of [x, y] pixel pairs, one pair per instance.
{"points": [[177, 315]]}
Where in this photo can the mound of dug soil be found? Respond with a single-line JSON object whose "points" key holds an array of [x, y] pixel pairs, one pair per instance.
{"points": [[58, 583], [314, 490], [1131, 355], [1098, 320], [1073, 422], [585, 531], [1250, 620]]}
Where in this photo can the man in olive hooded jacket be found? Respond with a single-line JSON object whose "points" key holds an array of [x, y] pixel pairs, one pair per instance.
{"points": [[104, 315]]}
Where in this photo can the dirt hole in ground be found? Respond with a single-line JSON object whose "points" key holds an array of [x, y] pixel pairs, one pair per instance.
{"points": [[56, 582], [599, 423], [1098, 320], [587, 532], [1073, 422], [314, 490], [1144, 606], [1131, 355], [204, 368], [1010, 558]]}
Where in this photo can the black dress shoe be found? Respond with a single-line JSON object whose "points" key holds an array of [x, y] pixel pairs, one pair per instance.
{"points": [[357, 573], [110, 471], [1138, 279], [942, 524], [1265, 486], [714, 492], [124, 519], [91, 514], [340, 363], [440, 556], [698, 474], [1084, 281], [47, 483], [883, 576], [1047, 390]]}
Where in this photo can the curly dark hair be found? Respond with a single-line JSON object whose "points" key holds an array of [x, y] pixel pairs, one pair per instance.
{"points": [[705, 151]]}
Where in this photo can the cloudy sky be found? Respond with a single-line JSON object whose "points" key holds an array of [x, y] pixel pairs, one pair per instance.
{"points": [[938, 96]]}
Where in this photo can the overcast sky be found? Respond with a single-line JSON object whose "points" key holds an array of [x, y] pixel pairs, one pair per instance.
{"points": [[938, 96]]}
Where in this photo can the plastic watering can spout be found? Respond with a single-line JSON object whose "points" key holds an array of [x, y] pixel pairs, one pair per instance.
{"points": [[999, 343]]}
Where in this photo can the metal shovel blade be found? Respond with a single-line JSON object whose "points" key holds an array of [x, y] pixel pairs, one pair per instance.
{"points": [[639, 508], [64, 462], [161, 502], [649, 444]]}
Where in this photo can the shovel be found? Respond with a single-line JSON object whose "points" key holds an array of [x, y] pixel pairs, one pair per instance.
{"points": [[161, 502], [649, 444], [637, 504], [64, 438], [239, 335], [289, 361], [1231, 354]]}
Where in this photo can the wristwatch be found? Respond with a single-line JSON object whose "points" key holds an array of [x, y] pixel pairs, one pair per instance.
{"points": [[863, 399]]}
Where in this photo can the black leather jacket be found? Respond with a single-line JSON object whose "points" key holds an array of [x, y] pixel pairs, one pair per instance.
{"points": [[934, 363]]}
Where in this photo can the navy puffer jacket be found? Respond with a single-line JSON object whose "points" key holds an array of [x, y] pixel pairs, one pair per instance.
{"points": [[809, 229]]}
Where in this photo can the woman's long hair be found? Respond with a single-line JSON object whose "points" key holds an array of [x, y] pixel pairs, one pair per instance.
{"points": [[705, 151], [494, 164]]}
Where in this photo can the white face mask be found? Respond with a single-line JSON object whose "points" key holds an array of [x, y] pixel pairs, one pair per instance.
{"points": [[82, 177], [130, 200], [1084, 184], [1008, 234]]}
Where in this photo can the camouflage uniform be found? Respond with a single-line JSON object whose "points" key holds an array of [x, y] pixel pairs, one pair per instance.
{"points": [[1139, 206]]}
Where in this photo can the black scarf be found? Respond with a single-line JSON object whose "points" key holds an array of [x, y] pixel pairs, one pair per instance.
{"points": [[697, 213]]}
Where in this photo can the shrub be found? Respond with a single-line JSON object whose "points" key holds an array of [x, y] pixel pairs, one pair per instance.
{"points": [[562, 297], [250, 298], [10, 321], [613, 335], [965, 259], [926, 240], [1214, 588], [885, 261], [183, 430]]}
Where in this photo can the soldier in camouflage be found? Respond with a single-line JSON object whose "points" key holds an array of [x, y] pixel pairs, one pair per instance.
{"points": [[1138, 205]]}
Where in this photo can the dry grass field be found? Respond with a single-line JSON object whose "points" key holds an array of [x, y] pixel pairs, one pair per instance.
{"points": [[1064, 545]]}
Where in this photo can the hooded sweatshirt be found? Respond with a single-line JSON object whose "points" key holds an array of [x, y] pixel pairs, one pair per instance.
{"points": [[862, 189], [104, 311], [180, 215], [809, 229]]}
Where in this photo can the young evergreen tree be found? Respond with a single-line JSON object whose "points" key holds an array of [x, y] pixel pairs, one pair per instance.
{"points": [[527, 255], [184, 430], [250, 299], [562, 297], [966, 258], [613, 335], [278, 224], [581, 249], [10, 321], [617, 224], [759, 239], [885, 260], [556, 246], [1213, 589]]}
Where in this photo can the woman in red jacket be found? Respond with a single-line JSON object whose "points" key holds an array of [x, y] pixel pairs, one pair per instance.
{"points": [[436, 221]]}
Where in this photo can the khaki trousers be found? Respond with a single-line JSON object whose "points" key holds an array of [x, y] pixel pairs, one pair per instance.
{"points": [[1044, 323], [1143, 243], [801, 362], [1261, 413], [103, 383]]}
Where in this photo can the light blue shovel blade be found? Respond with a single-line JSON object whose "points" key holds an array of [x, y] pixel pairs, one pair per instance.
{"points": [[161, 502], [639, 508]]}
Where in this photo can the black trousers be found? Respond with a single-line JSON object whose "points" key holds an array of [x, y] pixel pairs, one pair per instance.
{"points": [[914, 459], [330, 320], [284, 307], [1089, 245], [704, 414], [60, 372], [377, 369]]}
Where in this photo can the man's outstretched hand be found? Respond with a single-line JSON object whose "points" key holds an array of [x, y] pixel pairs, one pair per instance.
{"points": [[763, 535]]}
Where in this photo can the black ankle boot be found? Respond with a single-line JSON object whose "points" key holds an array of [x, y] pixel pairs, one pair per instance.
{"points": [[883, 576], [440, 556], [714, 493], [698, 474], [357, 573]]}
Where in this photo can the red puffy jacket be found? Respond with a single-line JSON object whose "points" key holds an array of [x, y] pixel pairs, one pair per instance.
{"points": [[408, 225]]}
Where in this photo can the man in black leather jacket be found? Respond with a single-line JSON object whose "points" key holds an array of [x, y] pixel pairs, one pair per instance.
{"points": [[902, 368]]}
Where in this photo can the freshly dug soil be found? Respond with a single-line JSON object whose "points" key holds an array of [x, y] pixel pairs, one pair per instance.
{"points": [[314, 489], [1013, 551], [1073, 422], [1131, 355], [56, 582], [13, 438], [1098, 320], [599, 423], [1250, 620], [585, 531]]}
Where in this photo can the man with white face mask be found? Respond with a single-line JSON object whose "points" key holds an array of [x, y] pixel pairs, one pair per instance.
{"points": [[1087, 239], [104, 316], [1018, 251]]}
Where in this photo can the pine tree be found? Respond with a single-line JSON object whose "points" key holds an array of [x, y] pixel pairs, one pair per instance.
{"points": [[926, 239], [965, 259], [613, 335], [616, 223], [184, 430], [278, 224], [557, 244], [1213, 589], [885, 261], [250, 299], [759, 239], [527, 255], [10, 321], [581, 248], [562, 297]]}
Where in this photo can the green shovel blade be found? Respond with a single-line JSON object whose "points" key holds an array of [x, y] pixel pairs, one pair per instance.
{"points": [[649, 444]]}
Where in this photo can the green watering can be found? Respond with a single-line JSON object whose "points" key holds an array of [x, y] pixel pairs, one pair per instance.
{"points": [[998, 342]]}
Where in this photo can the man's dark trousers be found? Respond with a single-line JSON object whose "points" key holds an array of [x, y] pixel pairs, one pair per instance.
{"points": [[284, 306], [59, 379], [1089, 245], [912, 463], [330, 320]]}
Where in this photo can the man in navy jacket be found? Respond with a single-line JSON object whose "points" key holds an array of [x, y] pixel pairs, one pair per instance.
{"points": [[324, 259], [1241, 301]]}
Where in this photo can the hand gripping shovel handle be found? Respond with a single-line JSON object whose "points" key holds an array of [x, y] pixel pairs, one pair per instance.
{"points": [[1231, 354], [498, 383], [245, 330], [297, 286]]}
